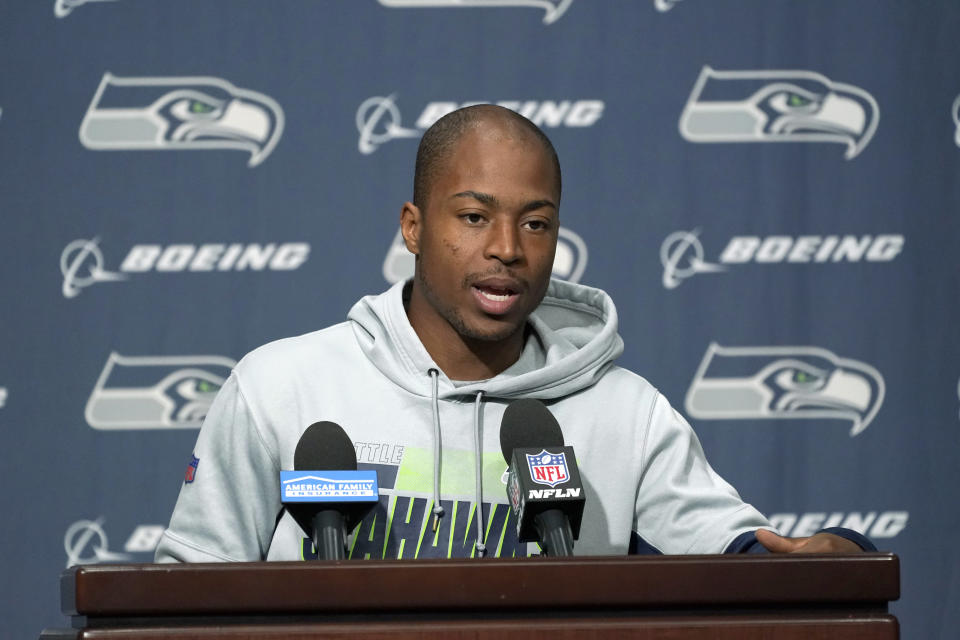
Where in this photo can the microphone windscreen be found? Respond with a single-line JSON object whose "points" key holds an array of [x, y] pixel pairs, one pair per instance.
{"points": [[325, 445], [528, 423]]}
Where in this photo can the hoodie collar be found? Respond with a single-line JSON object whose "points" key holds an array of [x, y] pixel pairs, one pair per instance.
{"points": [[576, 341]]}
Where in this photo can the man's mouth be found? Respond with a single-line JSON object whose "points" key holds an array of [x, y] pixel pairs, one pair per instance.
{"points": [[495, 299], [494, 294]]}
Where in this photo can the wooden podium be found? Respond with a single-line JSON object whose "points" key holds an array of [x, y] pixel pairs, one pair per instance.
{"points": [[671, 597]]}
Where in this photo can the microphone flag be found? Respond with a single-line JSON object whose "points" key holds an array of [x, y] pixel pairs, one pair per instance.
{"points": [[328, 486], [541, 479]]}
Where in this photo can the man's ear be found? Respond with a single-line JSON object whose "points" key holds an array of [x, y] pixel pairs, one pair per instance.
{"points": [[411, 219]]}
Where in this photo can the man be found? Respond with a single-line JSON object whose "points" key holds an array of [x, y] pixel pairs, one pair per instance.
{"points": [[419, 378]]}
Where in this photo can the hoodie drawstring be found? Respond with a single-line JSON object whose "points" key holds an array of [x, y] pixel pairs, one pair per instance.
{"points": [[438, 512], [437, 507], [481, 548]]}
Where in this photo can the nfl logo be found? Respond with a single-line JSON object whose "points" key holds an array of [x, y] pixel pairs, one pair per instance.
{"points": [[191, 469], [548, 468]]}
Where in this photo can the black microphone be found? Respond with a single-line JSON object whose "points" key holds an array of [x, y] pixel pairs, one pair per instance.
{"points": [[543, 485], [328, 503]]}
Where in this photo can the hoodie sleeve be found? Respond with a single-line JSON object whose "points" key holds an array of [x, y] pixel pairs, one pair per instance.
{"points": [[228, 510], [682, 505]]}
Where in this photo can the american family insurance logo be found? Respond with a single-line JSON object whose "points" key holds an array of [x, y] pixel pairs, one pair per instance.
{"points": [[768, 383], [378, 118], [778, 106], [180, 113]]}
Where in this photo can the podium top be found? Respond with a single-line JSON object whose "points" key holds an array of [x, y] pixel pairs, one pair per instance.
{"points": [[633, 582]]}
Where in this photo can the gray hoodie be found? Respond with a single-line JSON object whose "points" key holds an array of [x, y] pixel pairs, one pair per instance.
{"points": [[435, 443]]}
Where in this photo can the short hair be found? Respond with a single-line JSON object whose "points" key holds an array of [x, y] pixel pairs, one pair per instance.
{"points": [[442, 137]]}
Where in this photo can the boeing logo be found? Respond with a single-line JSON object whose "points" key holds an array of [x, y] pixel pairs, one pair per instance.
{"points": [[81, 261], [682, 254], [373, 113], [569, 262], [765, 383], [176, 113], [81, 264], [778, 106], [86, 543], [155, 392], [378, 118], [873, 524]]}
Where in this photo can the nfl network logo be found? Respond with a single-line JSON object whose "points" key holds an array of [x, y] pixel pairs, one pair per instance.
{"points": [[548, 468]]}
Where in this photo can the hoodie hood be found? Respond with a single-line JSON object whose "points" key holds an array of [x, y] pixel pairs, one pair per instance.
{"points": [[576, 336]]}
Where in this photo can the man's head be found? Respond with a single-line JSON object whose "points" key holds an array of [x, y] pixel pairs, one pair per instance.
{"points": [[483, 224], [442, 136]]}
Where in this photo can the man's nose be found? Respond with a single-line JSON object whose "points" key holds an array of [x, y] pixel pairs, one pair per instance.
{"points": [[503, 243]]}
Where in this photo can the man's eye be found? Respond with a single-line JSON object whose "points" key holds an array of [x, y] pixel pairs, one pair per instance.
{"points": [[472, 218], [536, 225]]}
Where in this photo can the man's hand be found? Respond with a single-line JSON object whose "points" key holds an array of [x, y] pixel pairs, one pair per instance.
{"points": [[817, 543]]}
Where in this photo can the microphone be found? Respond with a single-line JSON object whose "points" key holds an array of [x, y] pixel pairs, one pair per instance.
{"points": [[325, 493], [532, 445]]}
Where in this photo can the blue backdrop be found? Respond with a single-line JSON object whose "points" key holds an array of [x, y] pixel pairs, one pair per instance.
{"points": [[767, 188]]}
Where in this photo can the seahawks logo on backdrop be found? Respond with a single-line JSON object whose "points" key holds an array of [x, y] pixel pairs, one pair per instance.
{"points": [[955, 111], [63, 8], [758, 383], [778, 106], [552, 9], [147, 113], [569, 262], [156, 392], [664, 5]]}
